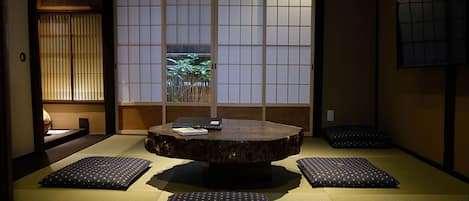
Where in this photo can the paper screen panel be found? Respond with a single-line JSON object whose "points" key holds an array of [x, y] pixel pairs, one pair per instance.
{"points": [[288, 51], [240, 38], [87, 57], [71, 57], [139, 55], [55, 57]]}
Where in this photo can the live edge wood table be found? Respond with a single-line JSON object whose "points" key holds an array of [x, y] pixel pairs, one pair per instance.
{"points": [[241, 152]]}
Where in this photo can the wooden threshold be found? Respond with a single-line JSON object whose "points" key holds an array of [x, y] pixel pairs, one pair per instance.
{"points": [[29, 163]]}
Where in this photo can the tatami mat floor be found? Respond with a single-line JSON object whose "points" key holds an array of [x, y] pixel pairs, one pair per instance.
{"points": [[419, 181]]}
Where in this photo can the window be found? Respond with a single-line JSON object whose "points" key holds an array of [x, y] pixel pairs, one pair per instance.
{"points": [[71, 57], [240, 38], [139, 51], [188, 73], [261, 51], [432, 32], [215, 58], [188, 38], [288, 51]]}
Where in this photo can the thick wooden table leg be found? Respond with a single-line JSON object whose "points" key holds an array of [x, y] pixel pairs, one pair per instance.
{"points": [[237, 175]]}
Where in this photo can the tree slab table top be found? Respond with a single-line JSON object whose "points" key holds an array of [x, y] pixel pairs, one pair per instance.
{"points": [[239, 142]]}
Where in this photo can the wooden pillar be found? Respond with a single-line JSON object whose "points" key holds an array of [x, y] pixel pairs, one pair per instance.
{"points": [[6, 192]]}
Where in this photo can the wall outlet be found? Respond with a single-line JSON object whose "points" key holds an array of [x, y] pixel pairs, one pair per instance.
{"points": [[330, 115]]}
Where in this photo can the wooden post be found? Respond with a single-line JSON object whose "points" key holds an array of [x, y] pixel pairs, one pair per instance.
{"points": [[6, 191]]}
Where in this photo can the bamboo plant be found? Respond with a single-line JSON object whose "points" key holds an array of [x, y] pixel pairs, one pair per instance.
{"points": [[188, 79]]}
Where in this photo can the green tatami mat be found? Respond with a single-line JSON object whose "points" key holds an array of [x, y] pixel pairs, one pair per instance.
{"points": [[166, 176]]}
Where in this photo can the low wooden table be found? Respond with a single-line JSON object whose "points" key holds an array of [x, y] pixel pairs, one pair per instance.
{"points": [[242, 150]]}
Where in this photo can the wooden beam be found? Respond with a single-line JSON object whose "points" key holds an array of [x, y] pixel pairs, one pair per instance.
{"points": [[6, 192], [318, 67], [449, 124], [36, 85], [109, 65]]}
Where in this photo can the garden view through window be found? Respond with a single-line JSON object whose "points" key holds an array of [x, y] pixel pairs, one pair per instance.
{"points": [[188, 73]]}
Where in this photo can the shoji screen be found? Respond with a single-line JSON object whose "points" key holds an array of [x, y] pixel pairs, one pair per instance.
{"points": [[188, 22], [71, 57], [55, 56], [240, 39], [288, 51], [139, 50], [87, 51], [188, 32]]}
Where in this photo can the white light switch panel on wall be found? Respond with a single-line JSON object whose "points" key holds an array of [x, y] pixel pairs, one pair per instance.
{"points": [[330, 115]]}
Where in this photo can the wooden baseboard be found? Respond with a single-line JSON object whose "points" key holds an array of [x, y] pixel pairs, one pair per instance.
{"points": [[298, 116], [173, 112], [140, 117], [227, 112]]}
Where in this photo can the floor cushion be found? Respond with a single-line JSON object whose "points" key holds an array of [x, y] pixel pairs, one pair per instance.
{"points": [[360, 144], [355, 136], [218, 196], [100, 172], [344, 172]]}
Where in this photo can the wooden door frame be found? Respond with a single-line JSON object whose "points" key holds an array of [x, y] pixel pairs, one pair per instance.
{"points": [[35, 70], [318, 67], [109, 66], [108, 71], [5, 134]]}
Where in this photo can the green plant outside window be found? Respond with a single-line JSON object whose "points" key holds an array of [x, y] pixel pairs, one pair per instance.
{"points": [[188, 78]]}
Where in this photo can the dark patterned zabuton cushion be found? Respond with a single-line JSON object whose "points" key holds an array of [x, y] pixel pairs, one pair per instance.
{"points": [[360, 144], [356, 136], [344, 172], [218, 196], [116, 173]]}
